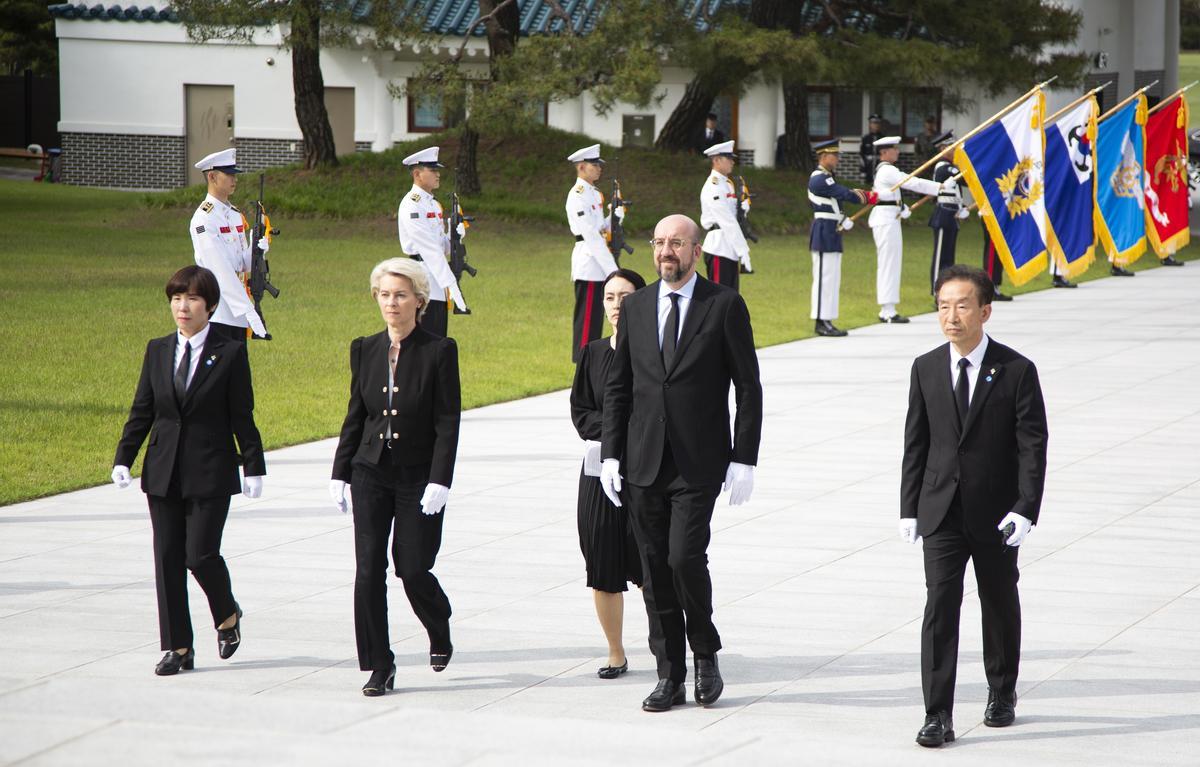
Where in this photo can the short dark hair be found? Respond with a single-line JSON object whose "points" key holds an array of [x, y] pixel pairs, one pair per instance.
{"points": [[197, 280], [632, 277], [711, 116], [985, 289]]}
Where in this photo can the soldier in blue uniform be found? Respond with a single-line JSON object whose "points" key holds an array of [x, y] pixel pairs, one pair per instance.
{"points": [[947, 212], [825, 195]]}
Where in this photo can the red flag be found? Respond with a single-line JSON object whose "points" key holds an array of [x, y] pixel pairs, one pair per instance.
{"points": [[1167, 178]]}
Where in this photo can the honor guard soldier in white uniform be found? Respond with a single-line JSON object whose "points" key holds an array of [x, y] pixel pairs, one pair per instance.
{"points": [[725, 247], [825, 241], [885, 220], [948, 211], [423, 237], [220, 241], [591, 262]]}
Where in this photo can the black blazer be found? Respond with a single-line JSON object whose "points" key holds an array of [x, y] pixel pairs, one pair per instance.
{"points": [[997, 461], [198, 434], [587, 390], [645, 405], [426, 401]]}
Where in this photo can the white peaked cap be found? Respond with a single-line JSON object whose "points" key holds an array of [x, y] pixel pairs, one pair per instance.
{"points": [[887, 141], [427, 156], [725, 147], [226, 159], [587, 154]]}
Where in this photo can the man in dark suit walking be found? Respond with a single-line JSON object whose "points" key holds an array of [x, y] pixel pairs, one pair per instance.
{"points": [[971, 485], [682, 341]]}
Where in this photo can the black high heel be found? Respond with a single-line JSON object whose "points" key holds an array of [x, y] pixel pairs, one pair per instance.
{"points": [[173, 662], [381, 681], [439, 660], [228, 640]]}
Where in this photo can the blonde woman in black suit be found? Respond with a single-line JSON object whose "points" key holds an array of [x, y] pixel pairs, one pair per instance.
{"points": [[194, 398], [395, 458]]}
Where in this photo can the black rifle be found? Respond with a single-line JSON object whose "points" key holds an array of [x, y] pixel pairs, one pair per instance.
{"points": [[744, 222], [458, 251], [260, 270], [616, 230]]}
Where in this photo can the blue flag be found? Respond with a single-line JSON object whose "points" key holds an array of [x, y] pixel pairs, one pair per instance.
{"points": [[1071, 189], [1120, 159], [1003, 166]]}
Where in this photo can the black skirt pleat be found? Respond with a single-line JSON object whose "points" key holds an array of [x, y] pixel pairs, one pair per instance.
{"points": [[606, 539]]}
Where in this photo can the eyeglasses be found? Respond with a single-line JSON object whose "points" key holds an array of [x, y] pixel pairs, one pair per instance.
{"points": [[676, 244]]}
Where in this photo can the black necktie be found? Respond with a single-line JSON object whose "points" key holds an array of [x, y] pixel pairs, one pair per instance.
{"points": [[962, 390], [181, 372], [671, 332]]}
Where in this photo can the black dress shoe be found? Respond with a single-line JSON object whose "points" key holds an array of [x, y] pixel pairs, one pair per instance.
{"points": [[827, 328], [228, 640], [380, 682], [895, 319], [173, 662], [612, 672], [1120, 271], [708, 681], [1001, 709], [439, 660], [1062, 282], [1171, 261], [938, 729], [998, 296], [667, 694]]}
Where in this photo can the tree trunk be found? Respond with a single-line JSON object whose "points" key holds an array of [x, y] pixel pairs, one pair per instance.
{"points": [[680, 131], [309, 85], [466, 171], [797, 149]]}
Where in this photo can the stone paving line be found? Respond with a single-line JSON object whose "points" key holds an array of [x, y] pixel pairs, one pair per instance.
{"points": [[817, 601]]}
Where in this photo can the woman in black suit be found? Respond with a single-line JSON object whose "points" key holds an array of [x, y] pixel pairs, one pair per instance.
{"points": [[605, 537], [194, 398], [396, 456]]}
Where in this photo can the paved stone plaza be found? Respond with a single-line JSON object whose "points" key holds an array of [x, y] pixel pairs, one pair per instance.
{"points": [[818, 602]]}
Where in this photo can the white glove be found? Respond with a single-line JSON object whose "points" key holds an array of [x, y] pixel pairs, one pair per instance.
{"points": [[620, 212], [746, 261], [847, 224], [264, 245], [338, 493], [950, 184], [252, 487], [905, 212], [120, 476], [739, 482], [610, 479], [434, 499], [908, 530], [461, 229], [963, 214], [256, 324], [1023, 526], [746, 205]]}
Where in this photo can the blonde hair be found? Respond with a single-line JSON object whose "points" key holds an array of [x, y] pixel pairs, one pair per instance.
{"points": [[409, 270]]}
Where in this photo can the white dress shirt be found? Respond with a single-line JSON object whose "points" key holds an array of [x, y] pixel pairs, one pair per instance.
{"points": [[197, 343], [421, 225], [664, 305], [976, 360], [219, 241], [719, 207], [591, 260]]}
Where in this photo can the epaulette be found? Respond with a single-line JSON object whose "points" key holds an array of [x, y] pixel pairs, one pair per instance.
{"points": [[579, 189], [234, 209], [416, 197], [207, 207], [712, 179]]}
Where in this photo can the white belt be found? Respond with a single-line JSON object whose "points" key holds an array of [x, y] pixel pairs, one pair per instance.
{"points": [[828, 216], [815, 200]]}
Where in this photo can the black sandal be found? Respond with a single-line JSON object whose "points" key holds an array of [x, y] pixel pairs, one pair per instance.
{"points": [[439, 660]]}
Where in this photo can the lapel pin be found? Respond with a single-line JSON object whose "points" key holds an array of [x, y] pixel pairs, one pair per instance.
{"points": [[213, 359]]}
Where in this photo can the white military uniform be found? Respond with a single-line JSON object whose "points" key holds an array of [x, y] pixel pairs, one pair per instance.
{"points": [[422, 229], [718, 208], [219, 238], [889, 239], [590, 259]]}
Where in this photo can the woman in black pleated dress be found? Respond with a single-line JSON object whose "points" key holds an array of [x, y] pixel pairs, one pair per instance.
{"points": [[605, 536]]}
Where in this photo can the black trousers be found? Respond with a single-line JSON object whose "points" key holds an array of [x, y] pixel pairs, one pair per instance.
{"points": [[671, 527], [228, 331], [387, 500], [436, 320], [991, 259], [187, 536], [944, 240], [946, 552], [722, 271], [589, 316]]}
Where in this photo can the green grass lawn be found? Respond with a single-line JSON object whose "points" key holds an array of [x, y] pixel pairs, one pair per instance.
{"points": [[81, 275], [1189, 71]]}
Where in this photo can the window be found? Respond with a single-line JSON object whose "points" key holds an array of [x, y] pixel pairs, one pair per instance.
{"points": [[834, 112], [820, 114], [904, 111], [428, 113]]}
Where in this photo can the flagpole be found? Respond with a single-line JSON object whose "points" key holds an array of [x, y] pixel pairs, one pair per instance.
{"points": [[1127, 99], [1171, 98], [1050, 120], [971, 133]]}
